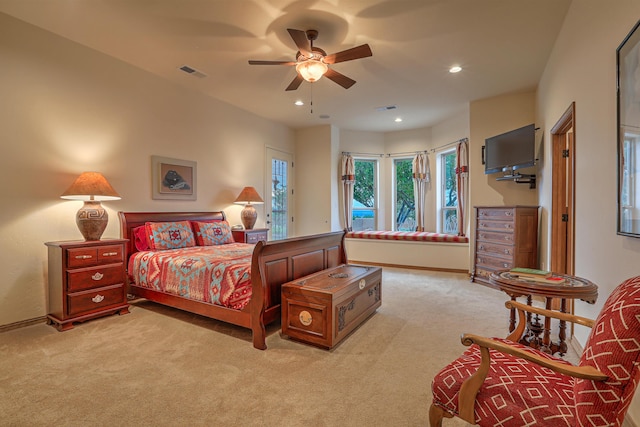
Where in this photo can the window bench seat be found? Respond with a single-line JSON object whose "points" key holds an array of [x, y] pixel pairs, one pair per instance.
{"points": [[413, 249]]}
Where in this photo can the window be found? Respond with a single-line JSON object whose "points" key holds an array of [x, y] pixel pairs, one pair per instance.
{"points": [[365, 195], [630, 148], [447, 193], [404, 202]]}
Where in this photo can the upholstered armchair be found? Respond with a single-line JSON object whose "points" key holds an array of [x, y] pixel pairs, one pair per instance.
{"points": [[500, 382]]}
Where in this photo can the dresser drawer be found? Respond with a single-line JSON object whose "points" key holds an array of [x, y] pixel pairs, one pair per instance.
{"points": [[495, 237], [485, 224], [493, 262], [493, 249], [88, 301], [483, 273], [496, 213], [94, 277]]}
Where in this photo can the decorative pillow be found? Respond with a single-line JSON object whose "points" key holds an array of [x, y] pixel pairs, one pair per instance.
{"points": [[212, 233], [140, 238], [169, 235]]}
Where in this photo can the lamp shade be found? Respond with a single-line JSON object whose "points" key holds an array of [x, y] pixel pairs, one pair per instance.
{"points": [[248, 195], [311, 69], [90, 186]]}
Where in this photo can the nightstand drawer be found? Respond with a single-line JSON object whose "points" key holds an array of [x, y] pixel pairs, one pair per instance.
{"points": [[250, 236], [86, 257], [256, 237], [110, 254], [94, 277], [88, 301], [82, 257]]}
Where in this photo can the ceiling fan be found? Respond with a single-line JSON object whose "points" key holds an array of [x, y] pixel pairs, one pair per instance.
{"points": [[312, 62]]}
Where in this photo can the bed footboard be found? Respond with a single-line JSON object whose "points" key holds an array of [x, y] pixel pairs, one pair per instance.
{"points": [[278, 262]]}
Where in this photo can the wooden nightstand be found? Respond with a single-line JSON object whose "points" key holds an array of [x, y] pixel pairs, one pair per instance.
{"points": [[86, 280], [250, 236]]}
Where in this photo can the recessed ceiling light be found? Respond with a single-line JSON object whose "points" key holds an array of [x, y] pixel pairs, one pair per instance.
{"points": [[398, 119], [298, 102], [455, 69]]}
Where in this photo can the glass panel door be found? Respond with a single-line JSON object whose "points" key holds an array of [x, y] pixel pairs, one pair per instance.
{"points": [[278, 200]]}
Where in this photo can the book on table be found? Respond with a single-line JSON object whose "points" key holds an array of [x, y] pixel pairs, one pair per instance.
{"points": [[555, 280], [530, 272]]}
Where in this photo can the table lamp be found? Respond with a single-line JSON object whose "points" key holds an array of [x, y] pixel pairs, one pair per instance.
{"points": [[248, 215], [92, 188]]}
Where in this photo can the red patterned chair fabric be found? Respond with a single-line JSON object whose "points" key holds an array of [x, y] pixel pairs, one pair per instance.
{"points": [[407, 236], [518, 392]]}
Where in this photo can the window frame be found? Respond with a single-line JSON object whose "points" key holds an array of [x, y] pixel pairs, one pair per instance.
{"points": [[394, 193], [376, 192], [442, 209]]}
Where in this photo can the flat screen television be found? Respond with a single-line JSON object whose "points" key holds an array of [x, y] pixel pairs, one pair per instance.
{"points": [[510, 151]]}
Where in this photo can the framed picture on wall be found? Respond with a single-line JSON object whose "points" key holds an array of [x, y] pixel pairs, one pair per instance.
{"points": [[173, 179], [628, 87]]}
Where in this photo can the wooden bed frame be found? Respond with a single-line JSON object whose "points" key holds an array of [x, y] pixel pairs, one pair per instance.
{"points": [[272, 264]]}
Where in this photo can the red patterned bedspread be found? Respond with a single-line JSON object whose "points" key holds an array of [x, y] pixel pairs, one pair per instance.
{"points": [[215, 274]]}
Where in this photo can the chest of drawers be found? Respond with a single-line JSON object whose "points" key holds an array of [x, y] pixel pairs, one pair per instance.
{"points": [[506, 237], [86, 280]]}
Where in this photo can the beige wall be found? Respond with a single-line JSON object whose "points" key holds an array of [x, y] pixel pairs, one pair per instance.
{"points": [[490, 117], [67, 109], [582, 69], [316, 180]]}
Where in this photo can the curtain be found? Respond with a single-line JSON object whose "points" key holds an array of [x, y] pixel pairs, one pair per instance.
{"points": [[348, 179], [462, 181], [421, 176]]}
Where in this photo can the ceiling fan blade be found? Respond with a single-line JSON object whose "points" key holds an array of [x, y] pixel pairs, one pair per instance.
{"points": [[258, 62], [341, 79], [295, 83], [348, 55], [301, 41]]}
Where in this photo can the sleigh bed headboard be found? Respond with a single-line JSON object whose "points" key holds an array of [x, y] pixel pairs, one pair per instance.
{"points": [[130, 220]]}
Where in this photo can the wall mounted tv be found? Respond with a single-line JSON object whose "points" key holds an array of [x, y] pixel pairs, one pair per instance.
{"points": [[510, 151]]}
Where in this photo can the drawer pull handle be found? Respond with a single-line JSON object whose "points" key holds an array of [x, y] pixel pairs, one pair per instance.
{"points": [[505, 265], [506, 251], [508, 213], [98, 298], [84, 256], [97, 276], [481, 247], [110, 254]]}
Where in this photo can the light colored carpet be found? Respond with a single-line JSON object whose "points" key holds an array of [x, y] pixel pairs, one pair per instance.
{"points": [[162, 367]]}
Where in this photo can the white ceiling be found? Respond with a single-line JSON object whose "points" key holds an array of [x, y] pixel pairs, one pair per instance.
{"points": [[502, 45]]}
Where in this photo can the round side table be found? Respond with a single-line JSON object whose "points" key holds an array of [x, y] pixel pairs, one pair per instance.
{"points": [[573, 287]]}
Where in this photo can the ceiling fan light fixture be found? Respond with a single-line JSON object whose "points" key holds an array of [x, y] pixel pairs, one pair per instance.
{"points": [[311, 69]]}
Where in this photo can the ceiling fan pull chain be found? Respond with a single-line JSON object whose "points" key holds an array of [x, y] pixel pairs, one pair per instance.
{"points": [[311, 101]]}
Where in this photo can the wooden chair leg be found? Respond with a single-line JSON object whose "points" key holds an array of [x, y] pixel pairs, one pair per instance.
{"points": [[436, 414]]}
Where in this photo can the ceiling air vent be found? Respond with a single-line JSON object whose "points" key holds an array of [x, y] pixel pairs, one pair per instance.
{"points": [[190, 70], [387, 108]]}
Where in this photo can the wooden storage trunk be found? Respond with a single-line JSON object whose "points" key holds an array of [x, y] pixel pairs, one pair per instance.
{"points": [[323, 308]]}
